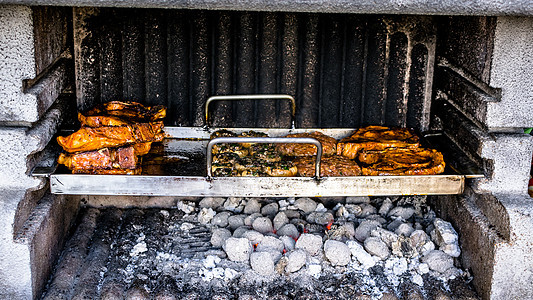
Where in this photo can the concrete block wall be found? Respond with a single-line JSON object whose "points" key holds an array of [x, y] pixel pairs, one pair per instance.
{"points": [[32, 76], [494, 216]]}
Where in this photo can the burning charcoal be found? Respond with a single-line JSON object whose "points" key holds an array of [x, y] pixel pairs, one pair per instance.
{"points": [[263, 225], [219, 236], [253, 206], [206, 215], [357, 200], [362, 232], [404, 212], [289, 230], [295, 260], [320, 208], [235, 221], [253, 236], [306, 205], [341, 233], [280, 220], [210, 202], [418, 238], [270, 242], [288, 242], [248, 221], [310, 243], [238, 249], [292, 214], [337, 253], [283, 203], [221, 219], [233, 204], [270, 209], [239, 232], [438, 261], [377, 247], [262, 263], [360, 254], [367, 210], [388, 237], [394, 224], [320, 218], [342, 212], [427, 247], [444, 233], [385, 207], [354, 209], [404, 229], [274, 254], [452, 250]]}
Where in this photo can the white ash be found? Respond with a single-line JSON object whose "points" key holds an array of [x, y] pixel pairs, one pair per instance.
{"points": [[186, 207], [337, 253], [234, 204], [262, 263], [238, 249], [296, 260]]}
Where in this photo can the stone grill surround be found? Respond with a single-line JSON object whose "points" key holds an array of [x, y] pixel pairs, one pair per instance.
{"points": [[498, 206]]}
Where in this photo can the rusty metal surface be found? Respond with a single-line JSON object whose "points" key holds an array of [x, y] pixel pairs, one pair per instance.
{"points": [[183, 173]]}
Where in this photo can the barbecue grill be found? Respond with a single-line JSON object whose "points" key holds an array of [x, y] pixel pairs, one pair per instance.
{"points": [[462, 82]]}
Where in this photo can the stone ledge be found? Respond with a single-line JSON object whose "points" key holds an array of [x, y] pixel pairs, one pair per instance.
{"points": [[431, 7]]}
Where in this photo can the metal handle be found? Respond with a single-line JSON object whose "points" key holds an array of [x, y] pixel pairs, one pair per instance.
{"points": [[251, 97], [267, 140]]}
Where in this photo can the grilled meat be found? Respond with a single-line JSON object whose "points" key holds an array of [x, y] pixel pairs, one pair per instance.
{"points": [[280, 169], [89, 139], [333, 166], [329, 145], [376, 138], [118, 113], [265, 152], [420, 161], [114, 171], [106, 158]]}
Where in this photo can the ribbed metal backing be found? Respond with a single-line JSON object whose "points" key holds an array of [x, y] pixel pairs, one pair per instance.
{"points": [[344, 70]]}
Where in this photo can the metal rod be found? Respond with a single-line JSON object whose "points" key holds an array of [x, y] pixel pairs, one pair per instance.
{"points": [[264, 140], [251, 97]]}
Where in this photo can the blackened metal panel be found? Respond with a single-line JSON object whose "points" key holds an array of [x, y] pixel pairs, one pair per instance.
{"points": [[344, 70], [376, 74], [245, 58], [331, 70], [289, 66], [396, 106], [307, 99], [111, 63], [155, 50], [222, 49], [178, 104], [268, 66], [417, 86], [133, 60], [200, 69]]}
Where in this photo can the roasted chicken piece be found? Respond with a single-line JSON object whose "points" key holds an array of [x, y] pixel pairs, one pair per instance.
{"points": [[334, 166], [89, 139], [419, 161], [118, 113], [376, 138], [329, 145]]}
